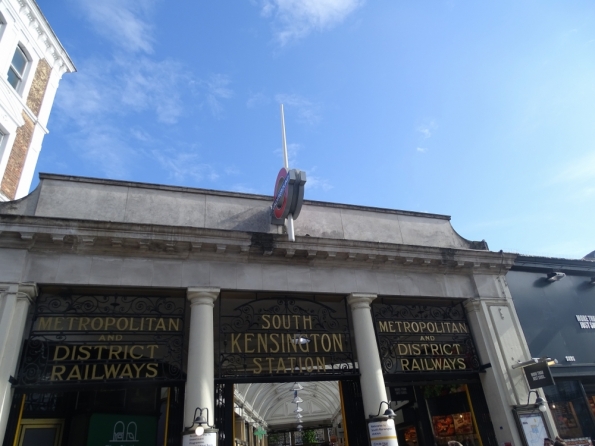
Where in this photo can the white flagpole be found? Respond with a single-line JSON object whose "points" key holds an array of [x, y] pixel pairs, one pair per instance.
{"points": [[290, 232]]}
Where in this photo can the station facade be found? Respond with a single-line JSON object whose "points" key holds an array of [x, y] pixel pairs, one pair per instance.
{"points": [[127, 306]]}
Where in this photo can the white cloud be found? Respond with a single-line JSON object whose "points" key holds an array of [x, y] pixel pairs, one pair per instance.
{"points": [[123, 22], [578, 170], [295, 19], [257, 99], [216, 90], [427, 129], [185, 165], [421, 149], [109, 89], [315, 182], [292, 153], [307, 111]]}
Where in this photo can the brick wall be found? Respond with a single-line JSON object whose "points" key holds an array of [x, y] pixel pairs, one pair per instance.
{"points": [[16, 161], [38, 86]]}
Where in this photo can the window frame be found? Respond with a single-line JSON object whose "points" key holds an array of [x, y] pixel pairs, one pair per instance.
{"points": [[20, 76]]}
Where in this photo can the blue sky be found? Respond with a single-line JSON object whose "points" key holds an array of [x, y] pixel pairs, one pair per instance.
{"points": [[484, 111]]}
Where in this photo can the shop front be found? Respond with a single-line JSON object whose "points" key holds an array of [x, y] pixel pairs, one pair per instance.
{"points": [[555, 301], [430, 364], [100, 367]]}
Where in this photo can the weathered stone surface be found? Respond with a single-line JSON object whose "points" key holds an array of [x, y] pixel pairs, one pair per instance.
{"points": [[118, 201], [16, 160], [38, 86]]}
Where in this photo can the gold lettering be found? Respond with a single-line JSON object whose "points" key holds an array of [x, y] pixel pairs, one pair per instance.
{"points": [[174, 324], [58, 323], [320, 363], [234, 342], [132, 327], [160, 324], [337, 342], [93, 376], [405, 364], [132, 355], [57, 372], [326, 338], [274, 337], [314, 337], [383, 325], [152, 348], [248, 338], [99, 349], [126, 371], [45, 323], [138, 368], [122, 323], [84, 350], [401, 347], [296, 320], [461, 363], [67, 350], [99, 324], [406, 327], [111, 370], [83, 322], [287, 325], [109, 321], [265, 318], [270, 364], [257, 364], [307, 320], [262, 340], [114, 351], [276, 322], [280, 366], [463, 328], [151, 319], [309, 365], [153, 368], [292, 342]]}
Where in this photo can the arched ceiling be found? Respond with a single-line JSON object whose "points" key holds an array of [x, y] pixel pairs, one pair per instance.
{"points": [[271, 403]]}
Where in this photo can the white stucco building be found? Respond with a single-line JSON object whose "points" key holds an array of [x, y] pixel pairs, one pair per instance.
{"points": [[32, 62]]}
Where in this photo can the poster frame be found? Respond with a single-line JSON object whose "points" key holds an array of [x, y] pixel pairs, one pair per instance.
{"points": [[522, 412]]}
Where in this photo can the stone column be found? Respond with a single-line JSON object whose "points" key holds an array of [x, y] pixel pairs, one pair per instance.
{"points": [[200, 378], [15, 301], [501, 343], [368, 357]]}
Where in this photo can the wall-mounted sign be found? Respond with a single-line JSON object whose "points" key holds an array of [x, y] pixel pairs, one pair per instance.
{"points": [[382, 433], [104, 338], [289, 195], [121, 430], [586, 322], [284, 336], [538, 375], [423, 338], [206, 439]]}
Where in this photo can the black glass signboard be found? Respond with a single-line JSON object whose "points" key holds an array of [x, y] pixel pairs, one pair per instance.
{"points": [[283, 337], [93, 338], [538, 375], [423, 338]]}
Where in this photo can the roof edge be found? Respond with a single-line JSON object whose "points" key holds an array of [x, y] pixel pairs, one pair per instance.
{"points": [[122, 183]]}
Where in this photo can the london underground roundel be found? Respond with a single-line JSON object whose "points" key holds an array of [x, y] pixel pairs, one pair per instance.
{"points": [[288, 196], [281, 194]]}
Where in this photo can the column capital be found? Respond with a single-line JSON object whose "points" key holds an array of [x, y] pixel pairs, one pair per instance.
{"points": [[202, 295], [27, 291], [360, 300]]}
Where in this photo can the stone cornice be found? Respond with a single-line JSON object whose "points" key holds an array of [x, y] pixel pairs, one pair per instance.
{"points": [[39, 27], [49, 235]]}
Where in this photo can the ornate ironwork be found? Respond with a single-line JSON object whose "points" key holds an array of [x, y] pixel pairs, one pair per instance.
{"points": [[104, 338], [422, 338], [284, 336]]}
